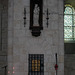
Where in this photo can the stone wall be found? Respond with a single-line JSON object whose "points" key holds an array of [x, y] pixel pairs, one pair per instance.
{"points": [[3, 34], [69, 64], [69, 48], [21, 43]]}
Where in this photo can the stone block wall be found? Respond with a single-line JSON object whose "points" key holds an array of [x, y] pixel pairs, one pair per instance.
{"points": [[21, 43]]}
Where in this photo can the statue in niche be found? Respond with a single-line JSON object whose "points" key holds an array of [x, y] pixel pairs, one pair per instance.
{"points": [[36, 15]]}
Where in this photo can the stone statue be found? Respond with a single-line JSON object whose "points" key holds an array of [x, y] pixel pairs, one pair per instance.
{"points": [[36, 15]]}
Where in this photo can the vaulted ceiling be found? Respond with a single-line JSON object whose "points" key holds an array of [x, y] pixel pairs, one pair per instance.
{"points": [[71, 2]]}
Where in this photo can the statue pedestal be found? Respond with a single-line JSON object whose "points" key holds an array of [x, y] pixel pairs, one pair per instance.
{"points": [[36, 31]]}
